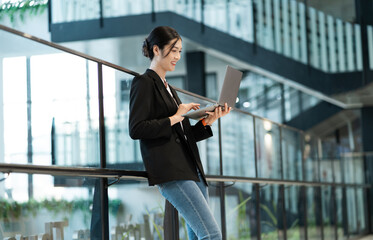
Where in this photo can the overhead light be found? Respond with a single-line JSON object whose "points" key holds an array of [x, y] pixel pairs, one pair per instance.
{"points": [[246, 104]]}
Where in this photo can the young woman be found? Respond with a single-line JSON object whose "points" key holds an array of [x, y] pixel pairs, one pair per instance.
{"points": [[167, 140]]}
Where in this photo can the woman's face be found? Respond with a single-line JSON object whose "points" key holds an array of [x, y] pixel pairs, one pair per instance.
{"points": [[168, 63]]}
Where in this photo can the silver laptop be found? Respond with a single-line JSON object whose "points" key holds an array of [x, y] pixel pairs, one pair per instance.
{"points": [[228, 94]]}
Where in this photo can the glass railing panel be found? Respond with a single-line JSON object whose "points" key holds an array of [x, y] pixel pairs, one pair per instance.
{"points": [[310, 156], [295, 217], [50, 102], [61, 206], [116, 8], [216, 15], [136, 211], [303, 33], [14, 110], [271, 213], [370, 45], [238, 145], [121, 150], [268, 149], [337, 170], [209, 148], [362, 212], [314, 213], [332, 48], [69, 11], [353, 169], [328, 208], [240, 210], [352, 214], [326, 170], [292, 164], [342, 231]]}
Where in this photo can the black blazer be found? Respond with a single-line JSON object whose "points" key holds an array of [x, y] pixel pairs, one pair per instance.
{"points": [[169, 153]]}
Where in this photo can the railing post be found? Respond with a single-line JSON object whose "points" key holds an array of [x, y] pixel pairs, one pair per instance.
{"points": [[171, 222], [221, 185], [103, 181]]}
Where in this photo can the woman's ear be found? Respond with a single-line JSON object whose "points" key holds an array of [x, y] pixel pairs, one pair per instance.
{"points": [[156, 50]]}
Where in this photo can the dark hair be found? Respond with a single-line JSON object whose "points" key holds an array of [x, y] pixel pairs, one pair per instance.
{"points": [[160, 36]]}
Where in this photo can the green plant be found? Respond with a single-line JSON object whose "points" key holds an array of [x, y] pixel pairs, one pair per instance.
{"points": [[242, 224], [21, 8], [13, 210], [158, 228]]}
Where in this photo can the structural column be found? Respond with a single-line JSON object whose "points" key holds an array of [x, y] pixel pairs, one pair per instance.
{"points": [[196, 79], [364, 17], [367, 139]]}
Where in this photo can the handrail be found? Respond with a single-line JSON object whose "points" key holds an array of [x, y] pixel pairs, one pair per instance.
{"points": [[142, 176], [65, 49]]}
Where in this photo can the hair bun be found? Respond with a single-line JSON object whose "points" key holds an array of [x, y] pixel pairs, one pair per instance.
{"points": [[145, 48]]}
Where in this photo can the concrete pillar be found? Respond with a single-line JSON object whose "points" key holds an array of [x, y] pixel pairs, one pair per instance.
{"points": [[196, 79]]}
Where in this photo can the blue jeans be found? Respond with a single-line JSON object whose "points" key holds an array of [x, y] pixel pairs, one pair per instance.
{"points": [[190, 198]]}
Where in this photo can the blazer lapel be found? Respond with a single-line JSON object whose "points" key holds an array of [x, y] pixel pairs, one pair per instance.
{"points": [[163, 91]]}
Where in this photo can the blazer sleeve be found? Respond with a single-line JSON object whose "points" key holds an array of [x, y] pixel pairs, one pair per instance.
{"points": [[142, 124], [201, 132]]}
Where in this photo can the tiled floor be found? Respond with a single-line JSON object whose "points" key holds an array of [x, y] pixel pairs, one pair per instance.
{"points": [[370, 237]]}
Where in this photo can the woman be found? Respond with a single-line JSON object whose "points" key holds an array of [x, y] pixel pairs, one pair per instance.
{"points": [[167, 140]]}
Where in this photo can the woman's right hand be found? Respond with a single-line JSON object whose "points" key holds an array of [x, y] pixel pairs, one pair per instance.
{"points": [[183, 109]]}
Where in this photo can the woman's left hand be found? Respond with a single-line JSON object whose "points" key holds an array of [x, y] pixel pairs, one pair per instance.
{"points": [[218, 113]]}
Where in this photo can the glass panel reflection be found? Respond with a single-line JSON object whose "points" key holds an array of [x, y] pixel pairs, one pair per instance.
{"points": [[268, 149], [292, 154], [122, 151], [51, 207], [241, 214], [271, 214], [52, 110], [138, 211], [328, 212], [341, 214], [295, 212], [314, 213], [238, 145], [310, 155]]}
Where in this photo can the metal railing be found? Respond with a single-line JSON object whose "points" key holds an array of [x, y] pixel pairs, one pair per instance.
{"points": [[260, 180]]}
